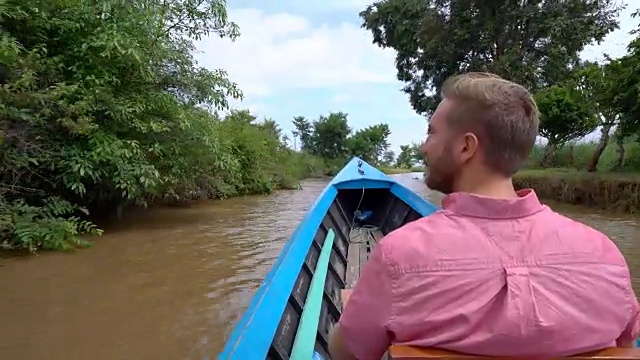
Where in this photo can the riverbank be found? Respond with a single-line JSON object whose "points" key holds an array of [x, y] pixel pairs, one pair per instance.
{"points": [[63, 223], [619, 192], [395, 170]]}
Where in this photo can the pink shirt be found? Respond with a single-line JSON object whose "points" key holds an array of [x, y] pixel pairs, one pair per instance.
{"points": [[492, 277]]}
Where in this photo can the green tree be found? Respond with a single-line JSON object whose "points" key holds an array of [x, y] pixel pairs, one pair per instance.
{"points": [[410, 154], [102, 106], [303, 130], [531, 42], [388, 158], [624, 93], [564, 116], [597, 84], [625, 89], [329, 137], [370, 143]]}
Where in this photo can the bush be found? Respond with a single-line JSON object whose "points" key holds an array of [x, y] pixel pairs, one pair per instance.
{"points": [[103, 107]]}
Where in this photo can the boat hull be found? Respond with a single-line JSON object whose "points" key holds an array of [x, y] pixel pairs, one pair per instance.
{"points": [[292, 312]]}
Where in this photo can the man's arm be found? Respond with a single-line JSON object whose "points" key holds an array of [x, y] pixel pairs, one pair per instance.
{"points": [[363, 330]]}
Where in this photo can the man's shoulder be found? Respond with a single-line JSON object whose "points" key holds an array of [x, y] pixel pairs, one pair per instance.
{"points": [[418, 229], [442, 232], [416, 237], [582, 237], [573, 229]]}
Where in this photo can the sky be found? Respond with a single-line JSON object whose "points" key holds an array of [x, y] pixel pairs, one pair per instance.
{"points": [[310, 58]]}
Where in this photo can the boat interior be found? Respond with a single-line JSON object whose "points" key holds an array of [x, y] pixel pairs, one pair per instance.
{"points": [[308, 286], [357, 219]]}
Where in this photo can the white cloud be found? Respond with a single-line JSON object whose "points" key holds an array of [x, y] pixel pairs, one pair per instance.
{"points": [[350, 4], [341, 98], [615, 43], [284, 51], [343, 7]]}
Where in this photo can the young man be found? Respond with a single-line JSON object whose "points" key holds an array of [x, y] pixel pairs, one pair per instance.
{"points": [[494, 272]]}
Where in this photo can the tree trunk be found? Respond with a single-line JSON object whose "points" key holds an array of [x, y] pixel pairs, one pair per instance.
{"points": [[592, 166], [571, 160], [549, 153], [620, 152]]}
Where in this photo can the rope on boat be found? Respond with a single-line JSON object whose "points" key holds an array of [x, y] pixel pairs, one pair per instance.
{"points": [[353, 219], [365, 232]]}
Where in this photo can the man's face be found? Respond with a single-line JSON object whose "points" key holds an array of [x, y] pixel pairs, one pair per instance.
{"points": [[438, 150]]}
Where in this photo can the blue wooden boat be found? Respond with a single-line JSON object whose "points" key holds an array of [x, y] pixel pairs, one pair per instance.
{"points": [[292, 312]]}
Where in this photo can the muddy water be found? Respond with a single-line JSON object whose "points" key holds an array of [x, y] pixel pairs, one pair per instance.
{"points": [[168, 283]]}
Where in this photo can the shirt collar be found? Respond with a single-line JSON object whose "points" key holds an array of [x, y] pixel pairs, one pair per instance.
{"points": [[468, 204]]}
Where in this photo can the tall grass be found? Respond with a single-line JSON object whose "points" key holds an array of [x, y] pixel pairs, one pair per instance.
{"points": [[576, 155]]}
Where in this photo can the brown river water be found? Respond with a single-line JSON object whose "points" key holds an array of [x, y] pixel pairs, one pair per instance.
{"points": [[168, 283]]}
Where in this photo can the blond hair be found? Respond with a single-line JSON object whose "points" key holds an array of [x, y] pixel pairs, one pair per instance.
{"points": [[501, 113]]}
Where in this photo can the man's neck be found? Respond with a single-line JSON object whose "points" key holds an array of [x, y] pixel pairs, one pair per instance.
{"points": [[488, 186]]}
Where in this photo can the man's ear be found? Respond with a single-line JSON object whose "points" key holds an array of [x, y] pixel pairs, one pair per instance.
{"points": [[469, 146]]}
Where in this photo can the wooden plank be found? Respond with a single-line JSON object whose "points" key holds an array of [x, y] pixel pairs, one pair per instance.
{"points": [[303, 345], [364, 254], [353, 265], [361, 243], [377, 235]]}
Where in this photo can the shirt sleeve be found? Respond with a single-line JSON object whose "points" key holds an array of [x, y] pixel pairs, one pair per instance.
{"points": [[631, 332], [365, 320]]}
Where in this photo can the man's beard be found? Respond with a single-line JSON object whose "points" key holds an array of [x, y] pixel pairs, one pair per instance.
{"points": [[440, 176]]}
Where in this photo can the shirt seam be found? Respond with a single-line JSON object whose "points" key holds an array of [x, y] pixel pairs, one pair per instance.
{"points": [[475, 216]]}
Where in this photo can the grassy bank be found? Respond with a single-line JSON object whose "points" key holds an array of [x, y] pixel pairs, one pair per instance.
{"points": [[609, 191], [568, 182]]}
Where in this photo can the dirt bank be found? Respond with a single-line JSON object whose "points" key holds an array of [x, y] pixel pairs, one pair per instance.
{"points": [[607, 191]]}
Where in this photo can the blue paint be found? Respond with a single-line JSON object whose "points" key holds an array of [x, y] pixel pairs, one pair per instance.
{"points": [[350, 172], [253, 334], [366, 183]]}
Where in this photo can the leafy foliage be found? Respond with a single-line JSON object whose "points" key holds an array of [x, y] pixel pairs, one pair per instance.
{"points": [[532, 42], [535, 43], [102, 106], [564, 115], [51, 226], [410, 154], [331, 138]]}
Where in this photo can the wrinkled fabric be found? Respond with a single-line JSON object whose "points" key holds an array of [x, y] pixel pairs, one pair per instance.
{"points": [[492, 277]]}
